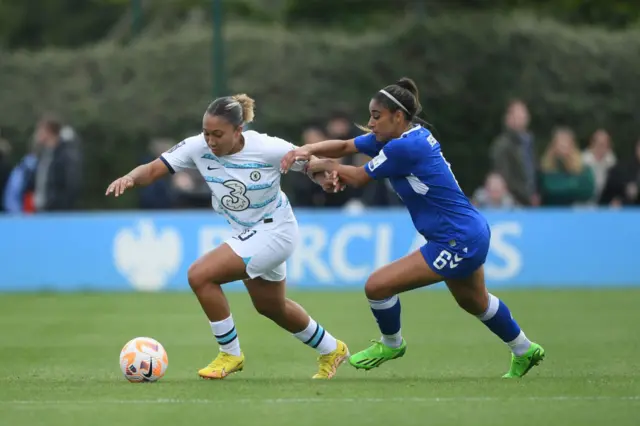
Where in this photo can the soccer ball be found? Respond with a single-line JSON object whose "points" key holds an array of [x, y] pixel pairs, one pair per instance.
{"points": [[143, 359]]}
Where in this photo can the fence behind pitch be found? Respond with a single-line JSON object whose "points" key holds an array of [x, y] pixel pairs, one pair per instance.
{"points": [[152, 251]]}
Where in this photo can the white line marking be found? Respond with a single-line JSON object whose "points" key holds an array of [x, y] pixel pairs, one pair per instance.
{"points": [[320, 400]]}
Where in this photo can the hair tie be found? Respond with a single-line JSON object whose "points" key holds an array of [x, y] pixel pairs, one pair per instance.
{"points": [[390, 96]]}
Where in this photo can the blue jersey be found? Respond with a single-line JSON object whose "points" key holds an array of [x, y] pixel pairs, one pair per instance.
{"points": [[423, 179]]}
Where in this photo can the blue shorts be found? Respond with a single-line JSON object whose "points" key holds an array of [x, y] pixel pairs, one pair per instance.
{"points": [[457, 259]]}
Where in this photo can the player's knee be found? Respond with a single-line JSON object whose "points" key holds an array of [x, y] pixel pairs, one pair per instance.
{"points": [[196, 277], [376, 289]]}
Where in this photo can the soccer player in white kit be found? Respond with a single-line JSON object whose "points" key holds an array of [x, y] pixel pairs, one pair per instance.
{"points": [[242, 169]]}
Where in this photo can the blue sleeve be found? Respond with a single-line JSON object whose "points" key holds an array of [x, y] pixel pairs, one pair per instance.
{"points": [[393, 160], [13, 191], [366, 144]]}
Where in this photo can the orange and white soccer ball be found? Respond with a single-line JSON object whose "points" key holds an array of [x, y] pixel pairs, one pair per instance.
{"points": [[143, 359]]}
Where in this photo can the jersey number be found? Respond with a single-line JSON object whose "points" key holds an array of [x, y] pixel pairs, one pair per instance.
{"points": [[449, 165], [246, 235], [236, 200], [447, 258]]}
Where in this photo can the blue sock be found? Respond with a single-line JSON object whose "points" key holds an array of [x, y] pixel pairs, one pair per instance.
{"points": [[387, 313], [499, 320]]}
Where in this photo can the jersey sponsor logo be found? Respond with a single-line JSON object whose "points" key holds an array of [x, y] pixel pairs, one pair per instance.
{"points": [[432, 141], [377, 161], [236, 200], [255, 176], [176, 146]]}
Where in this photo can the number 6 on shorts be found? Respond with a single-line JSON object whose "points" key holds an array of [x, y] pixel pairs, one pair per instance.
{"points": [[445, 257], [442, 259]]}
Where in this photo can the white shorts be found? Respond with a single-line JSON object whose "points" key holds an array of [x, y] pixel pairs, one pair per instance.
{"points": [[265, 251]]}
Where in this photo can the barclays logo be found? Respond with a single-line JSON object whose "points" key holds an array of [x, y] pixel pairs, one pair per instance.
{"points": [[147, 257]]}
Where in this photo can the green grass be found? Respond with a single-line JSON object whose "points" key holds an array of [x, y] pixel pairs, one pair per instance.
{"points": [[59, 364]]}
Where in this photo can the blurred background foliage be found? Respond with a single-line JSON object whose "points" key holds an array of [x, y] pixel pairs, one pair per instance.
{"points": [[113, 87], [27, 23]]}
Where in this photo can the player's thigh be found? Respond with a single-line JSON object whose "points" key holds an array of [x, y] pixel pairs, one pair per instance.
{"points": [[267, 296], [219, 266], [265, 251], [470, 292], [407, 273], [463, 269]]}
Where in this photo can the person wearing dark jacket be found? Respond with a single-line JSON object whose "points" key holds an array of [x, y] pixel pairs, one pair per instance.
{"points": [[513, 155], [57, 178], [623, 182], [5, 167]]}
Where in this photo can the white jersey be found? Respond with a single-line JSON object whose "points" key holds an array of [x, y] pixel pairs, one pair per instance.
{"points": [[245, 186]]}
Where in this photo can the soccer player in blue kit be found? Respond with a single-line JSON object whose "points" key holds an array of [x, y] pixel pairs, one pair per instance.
{"points": [[456, 232]]}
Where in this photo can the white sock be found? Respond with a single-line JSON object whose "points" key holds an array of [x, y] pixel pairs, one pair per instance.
{"points": [[520, 345], [317, 337], [392, 340], [226, 335]]}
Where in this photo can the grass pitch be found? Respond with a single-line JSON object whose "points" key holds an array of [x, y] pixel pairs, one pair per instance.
{"points": [[59, 363]]}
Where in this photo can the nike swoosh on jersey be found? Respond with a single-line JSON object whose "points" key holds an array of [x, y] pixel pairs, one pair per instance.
{"points": [[212, 168]]}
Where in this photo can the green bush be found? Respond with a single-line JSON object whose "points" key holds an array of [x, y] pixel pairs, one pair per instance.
{"points": [[467, 66]]}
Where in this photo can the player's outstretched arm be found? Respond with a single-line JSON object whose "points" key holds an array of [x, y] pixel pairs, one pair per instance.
{"points": [[140, 176], [329, 149], [346, 175]]}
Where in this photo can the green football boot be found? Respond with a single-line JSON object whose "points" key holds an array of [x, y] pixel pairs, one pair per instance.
{"points": [[520, 365], [376, 355]]}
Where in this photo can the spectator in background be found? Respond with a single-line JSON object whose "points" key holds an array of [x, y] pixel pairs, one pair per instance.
{"points": [[564, 179], [304, 192], [378, 193], [339, 126], [18, 194], [494, 194], [156, 196], [58, 177], [600, 157], [623, 183], [513, 155], [184, 189], [189, 190], [5, 167]]}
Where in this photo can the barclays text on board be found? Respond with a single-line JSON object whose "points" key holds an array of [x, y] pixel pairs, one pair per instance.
{"points": [[152, 251]]}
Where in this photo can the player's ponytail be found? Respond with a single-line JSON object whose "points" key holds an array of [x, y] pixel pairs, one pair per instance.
{"points": [[247, 104], [411, 86], [236, 109]]}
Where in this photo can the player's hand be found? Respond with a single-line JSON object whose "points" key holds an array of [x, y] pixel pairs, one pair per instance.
{"points": [[321, 165], [333, 182], [299, 154], [330, 182], [120, 185]]}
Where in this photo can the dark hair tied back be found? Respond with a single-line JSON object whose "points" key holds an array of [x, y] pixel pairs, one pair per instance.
{"points": [[236, 109], [405, 92]]}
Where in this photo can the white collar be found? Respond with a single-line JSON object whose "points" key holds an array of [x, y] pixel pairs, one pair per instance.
{"points": [[413, 129]]}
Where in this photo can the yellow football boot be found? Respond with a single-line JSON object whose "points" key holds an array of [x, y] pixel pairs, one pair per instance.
{"points": [[328, 364], [222, 366]]}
